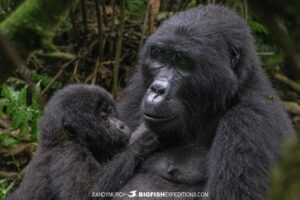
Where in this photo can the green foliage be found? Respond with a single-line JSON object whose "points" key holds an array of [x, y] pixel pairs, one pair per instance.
{"points": [[24, 115], [192, 4], [7, 140], [262, 37], [138, 7], [271, 57], [285, 183], [258, 27], [45, 79], [62, 33], [5, 188]]}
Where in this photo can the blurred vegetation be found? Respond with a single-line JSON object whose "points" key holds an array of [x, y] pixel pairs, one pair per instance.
{"points": [[286, 176], [97, 42]]}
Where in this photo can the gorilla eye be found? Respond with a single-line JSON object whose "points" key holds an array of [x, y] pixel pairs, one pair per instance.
{"points": [[104, 116], [105, 112], [104, 119], [159, 54], [183, 63], [110, 110], [154, 52]]}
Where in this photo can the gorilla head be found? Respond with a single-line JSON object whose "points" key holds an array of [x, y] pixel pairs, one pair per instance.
{"points": [[193, 67], [199, 83], [85, 114]]}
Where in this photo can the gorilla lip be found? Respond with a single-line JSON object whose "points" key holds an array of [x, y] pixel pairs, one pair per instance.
{"points": [[155, 118]]}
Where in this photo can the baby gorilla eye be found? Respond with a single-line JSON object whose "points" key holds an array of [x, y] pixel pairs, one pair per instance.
{"points": [[105, 112], [103, 116]]}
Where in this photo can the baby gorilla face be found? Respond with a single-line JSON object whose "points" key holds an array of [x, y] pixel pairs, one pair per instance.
{"points": [[85, 114], [110, 121]]}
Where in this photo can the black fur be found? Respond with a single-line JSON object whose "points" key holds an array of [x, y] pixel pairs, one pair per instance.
{"points": [[223, 102], [76, 143]]}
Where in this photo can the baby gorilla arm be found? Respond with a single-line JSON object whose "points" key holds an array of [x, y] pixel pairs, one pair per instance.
{"points": [[121, 168], [78, 176]]}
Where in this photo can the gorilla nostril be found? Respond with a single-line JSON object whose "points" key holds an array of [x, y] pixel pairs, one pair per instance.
{"points": [[160, 91], [152, 88], [159, 87]]}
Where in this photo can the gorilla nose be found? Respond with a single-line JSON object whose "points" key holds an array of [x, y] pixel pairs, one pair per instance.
{"points": [[157, 91], [159, 87]]}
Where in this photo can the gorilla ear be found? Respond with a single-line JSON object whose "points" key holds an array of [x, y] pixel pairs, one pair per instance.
{"points": [[235, 57]]}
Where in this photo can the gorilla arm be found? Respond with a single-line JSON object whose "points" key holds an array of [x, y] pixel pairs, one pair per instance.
{"points": [[244, 149]]}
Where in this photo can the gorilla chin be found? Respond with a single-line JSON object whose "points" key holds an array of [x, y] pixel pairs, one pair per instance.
{"points": [[162, 118], [158, 122]]}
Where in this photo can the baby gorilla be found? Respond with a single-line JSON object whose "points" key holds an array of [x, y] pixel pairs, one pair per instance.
{"points": [[79, 131]]}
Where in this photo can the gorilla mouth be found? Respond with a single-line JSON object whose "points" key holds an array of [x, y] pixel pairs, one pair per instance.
{"points": [[157, 118]]}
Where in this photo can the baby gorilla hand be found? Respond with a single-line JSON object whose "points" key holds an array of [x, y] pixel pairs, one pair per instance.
{"points": [[143, 141], [120, 128]]}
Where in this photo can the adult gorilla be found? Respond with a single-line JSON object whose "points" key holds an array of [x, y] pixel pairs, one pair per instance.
{"points": [[200, 84]]}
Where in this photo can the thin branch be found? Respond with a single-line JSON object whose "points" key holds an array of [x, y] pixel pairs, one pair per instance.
{"points": [[119, 49], [74, 74], [111, 43], [100, 28], [292, 84], [103, 10], [74, 26], [84, 16], [145, 25], [96, 69], [58, 74]]}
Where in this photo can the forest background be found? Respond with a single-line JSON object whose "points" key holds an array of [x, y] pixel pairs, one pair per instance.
{"points": [[45, 45]]}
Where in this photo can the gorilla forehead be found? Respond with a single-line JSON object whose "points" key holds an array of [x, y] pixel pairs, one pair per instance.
{"points": [[206, 25], [80, 94]]}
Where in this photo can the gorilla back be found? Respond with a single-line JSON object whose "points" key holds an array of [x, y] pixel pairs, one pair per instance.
{"points": [[199, 82]]}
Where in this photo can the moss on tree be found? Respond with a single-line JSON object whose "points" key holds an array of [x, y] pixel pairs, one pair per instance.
{"points": [[31, 26]]}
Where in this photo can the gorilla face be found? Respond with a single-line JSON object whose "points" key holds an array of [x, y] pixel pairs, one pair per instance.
{"points": [[162, 106], [108, 117], [98, 113], [188, 76]]}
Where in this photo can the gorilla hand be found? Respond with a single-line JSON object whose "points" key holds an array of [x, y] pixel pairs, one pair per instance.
{"points": [[143, 141]]}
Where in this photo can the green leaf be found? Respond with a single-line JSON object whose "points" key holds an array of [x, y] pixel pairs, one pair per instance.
{"points": [[9, 141], [22, 96], [3, 103], [138, 7], [258, 27], [35, 104], [23, 116]]}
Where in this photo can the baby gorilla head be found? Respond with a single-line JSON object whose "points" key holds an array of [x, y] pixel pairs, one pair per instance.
{"points": [[85, 114]]}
